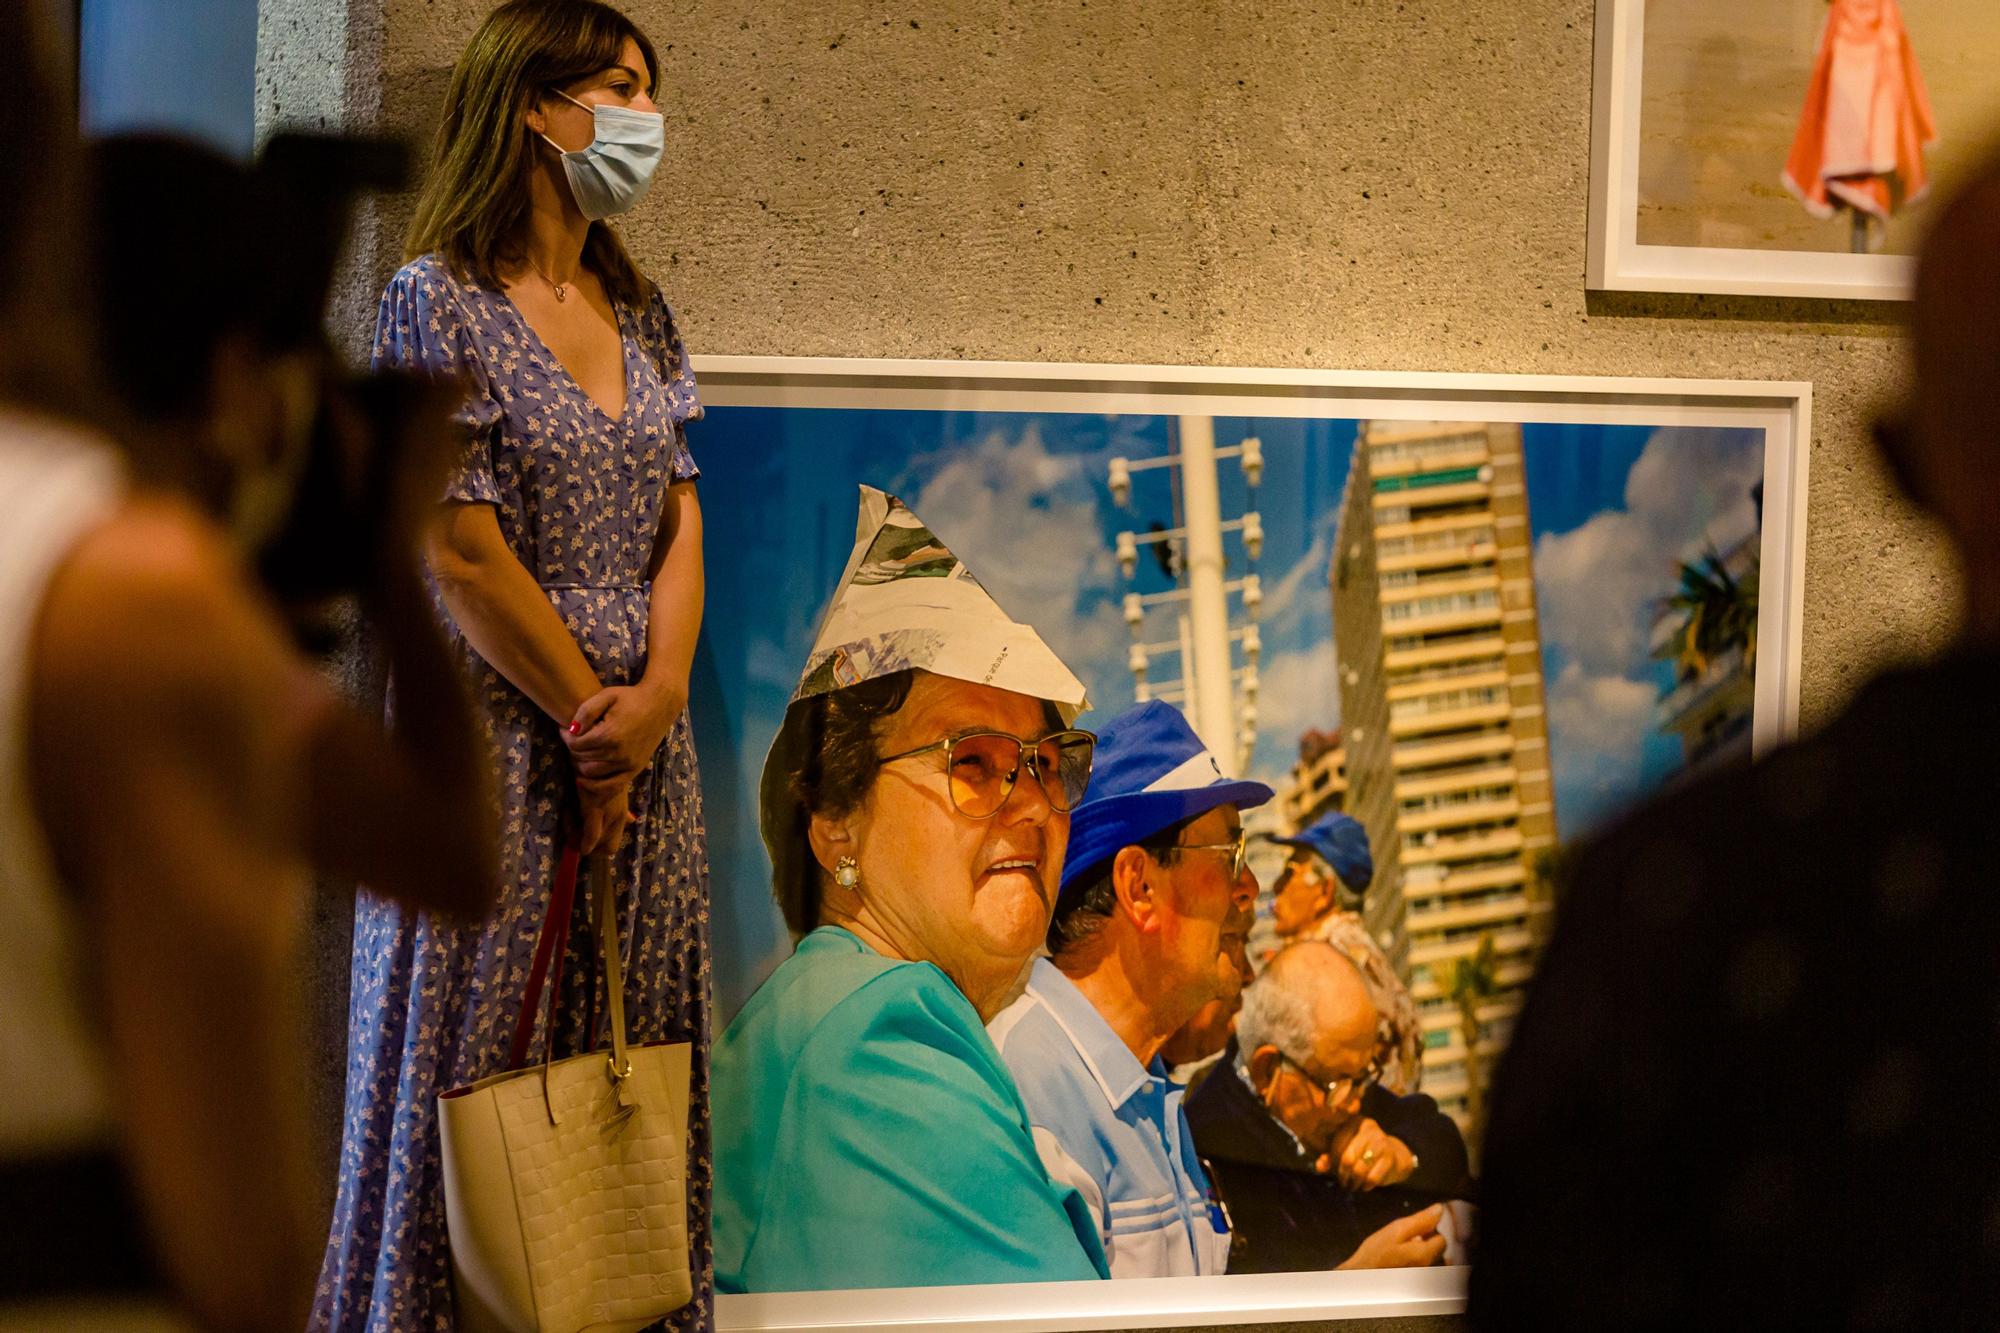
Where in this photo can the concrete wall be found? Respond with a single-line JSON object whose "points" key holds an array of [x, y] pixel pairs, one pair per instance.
{"points": [[1347, 183]]}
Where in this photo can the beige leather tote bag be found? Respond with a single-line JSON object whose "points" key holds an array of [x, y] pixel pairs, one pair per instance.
{"points": [[565, 1187]]}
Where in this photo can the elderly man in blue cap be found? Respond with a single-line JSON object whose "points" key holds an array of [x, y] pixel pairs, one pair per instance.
{"points": [[1319, 896], [1148, 926]]}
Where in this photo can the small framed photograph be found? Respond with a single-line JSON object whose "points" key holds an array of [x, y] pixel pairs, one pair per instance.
{"points": [[1479, 614], [1781, 148]]}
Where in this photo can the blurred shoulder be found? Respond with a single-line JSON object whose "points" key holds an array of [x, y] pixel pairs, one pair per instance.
{"points": [[153, 611]]}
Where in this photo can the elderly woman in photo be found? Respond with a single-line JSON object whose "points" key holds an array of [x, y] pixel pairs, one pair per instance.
{"points": [[915, 805]]}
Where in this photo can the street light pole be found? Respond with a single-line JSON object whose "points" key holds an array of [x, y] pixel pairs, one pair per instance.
{"points": [[1208, 670]]}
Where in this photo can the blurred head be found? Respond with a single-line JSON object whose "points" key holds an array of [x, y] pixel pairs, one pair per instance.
{"points": [[932, 883], [1944, 447], [1330, 867], [521, 78], [1157, 874], [239, 403], [44, 329], [217, 397], [1305, 892], [1312, 1040]]}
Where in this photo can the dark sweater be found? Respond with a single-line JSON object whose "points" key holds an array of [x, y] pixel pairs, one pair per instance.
{"points": [[1754, 1083], [1284, 1216]]}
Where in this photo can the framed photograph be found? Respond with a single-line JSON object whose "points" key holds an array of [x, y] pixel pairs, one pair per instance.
{"points": [[1479, 613], [1784, 148]]}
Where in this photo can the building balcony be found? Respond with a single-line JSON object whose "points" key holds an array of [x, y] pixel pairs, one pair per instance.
{"points": [[1509, 976], [1417, 529], [1445, 951], [1453, 816], [1460, 675], [1500, 1007], [1389, 595], [1397, 661], [1512, 909], [1397, 461], [1422, 723], [1497, 843], [1483, 775], [1448, 548], [1436, 622], [1469, 881], [1421, 496], [1413, 754]]}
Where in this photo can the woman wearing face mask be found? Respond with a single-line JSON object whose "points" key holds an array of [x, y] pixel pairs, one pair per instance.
{"points": [[569, 565]]}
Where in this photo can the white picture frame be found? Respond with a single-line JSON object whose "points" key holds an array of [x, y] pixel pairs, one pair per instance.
{"points": [[1783, 410], [1615, 259]]}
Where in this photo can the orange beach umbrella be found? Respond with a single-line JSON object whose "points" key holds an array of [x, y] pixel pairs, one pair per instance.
{"points": [[1867, 117]]}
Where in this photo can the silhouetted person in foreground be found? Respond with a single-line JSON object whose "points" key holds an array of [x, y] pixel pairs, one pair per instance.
{"points": [[1758, 1078]]}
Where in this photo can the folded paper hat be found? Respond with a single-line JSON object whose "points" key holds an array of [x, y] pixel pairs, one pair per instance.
{"points": [[904, 602]]}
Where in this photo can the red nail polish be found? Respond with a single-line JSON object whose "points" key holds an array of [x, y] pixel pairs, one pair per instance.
{"points": [[575, 727]]}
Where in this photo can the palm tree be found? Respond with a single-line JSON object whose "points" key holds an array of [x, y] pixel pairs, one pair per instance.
{"points": [[1548, 876], [1473, 981], [1719, 613]]}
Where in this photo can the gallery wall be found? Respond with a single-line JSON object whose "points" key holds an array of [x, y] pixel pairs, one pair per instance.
{"points": [[1343, 183], [1349, 183]]}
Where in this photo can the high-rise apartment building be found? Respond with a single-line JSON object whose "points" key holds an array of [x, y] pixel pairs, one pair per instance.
{"points": [[1442, 716]]}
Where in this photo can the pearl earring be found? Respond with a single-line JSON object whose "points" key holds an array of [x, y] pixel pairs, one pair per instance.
{"points": [[846, 873]]}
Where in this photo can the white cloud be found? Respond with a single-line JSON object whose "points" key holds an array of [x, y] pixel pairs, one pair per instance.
{"points": [[1025, 522], [1296, 691], [1598, 583], [1282, 606], [1598, 727]]}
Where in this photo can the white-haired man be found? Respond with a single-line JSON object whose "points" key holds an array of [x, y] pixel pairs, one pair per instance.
{"points": [[1317, 1164]]}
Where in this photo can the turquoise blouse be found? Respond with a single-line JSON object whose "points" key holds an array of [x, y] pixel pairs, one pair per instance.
{"points": [[868, 1135]]}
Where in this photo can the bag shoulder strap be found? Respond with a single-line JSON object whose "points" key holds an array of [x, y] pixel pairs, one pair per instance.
{"points": [[549, 949], [614, 971]]}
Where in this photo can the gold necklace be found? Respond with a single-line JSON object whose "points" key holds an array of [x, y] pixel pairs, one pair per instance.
{"points": [[561, 289]]}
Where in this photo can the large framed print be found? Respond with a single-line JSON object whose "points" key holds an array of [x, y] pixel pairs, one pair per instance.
{"points": [[1480, 613], [1784, 148]]}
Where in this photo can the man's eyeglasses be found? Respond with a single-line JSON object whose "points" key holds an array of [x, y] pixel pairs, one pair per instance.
{"points": [[983, 766], [1238, 849], [1339, 1091]]}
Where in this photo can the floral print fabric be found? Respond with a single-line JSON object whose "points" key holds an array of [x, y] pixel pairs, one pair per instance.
{"points": [[434, 1002]]}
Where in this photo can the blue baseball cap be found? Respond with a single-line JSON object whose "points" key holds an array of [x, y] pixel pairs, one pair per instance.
{"points": [[1150, 772], [1341, 842]]}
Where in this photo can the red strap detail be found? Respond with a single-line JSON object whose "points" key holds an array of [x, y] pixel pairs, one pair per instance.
{"points": [[550, 948]]}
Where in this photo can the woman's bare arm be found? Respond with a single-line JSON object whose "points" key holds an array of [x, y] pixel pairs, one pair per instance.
{"points": [[504, 614], [506, 617], [622, 726], [679, 586]]}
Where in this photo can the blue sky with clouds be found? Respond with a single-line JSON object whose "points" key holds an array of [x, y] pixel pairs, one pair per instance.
{"points": [[1023, 498]]}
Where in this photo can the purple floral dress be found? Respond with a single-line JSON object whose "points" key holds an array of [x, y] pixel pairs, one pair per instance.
{"points": [[434, 1003]]}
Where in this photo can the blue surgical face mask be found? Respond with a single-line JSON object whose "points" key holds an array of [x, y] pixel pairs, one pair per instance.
{"points": [[613, 174]]}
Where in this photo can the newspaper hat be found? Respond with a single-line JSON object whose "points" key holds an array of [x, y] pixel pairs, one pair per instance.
{"points": [[904, 602]]}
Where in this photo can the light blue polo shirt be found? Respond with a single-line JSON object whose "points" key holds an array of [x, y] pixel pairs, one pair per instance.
{"points": [[1113, 1129]]}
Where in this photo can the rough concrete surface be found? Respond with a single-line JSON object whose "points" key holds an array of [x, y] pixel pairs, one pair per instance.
{"points": [[1361, 184]]}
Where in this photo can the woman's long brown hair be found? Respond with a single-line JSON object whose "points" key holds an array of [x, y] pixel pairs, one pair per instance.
{"points": [[474, 207]]}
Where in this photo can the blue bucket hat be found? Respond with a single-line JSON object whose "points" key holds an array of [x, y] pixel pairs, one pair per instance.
{"points": [[1150, 772], [1341, 842]]}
